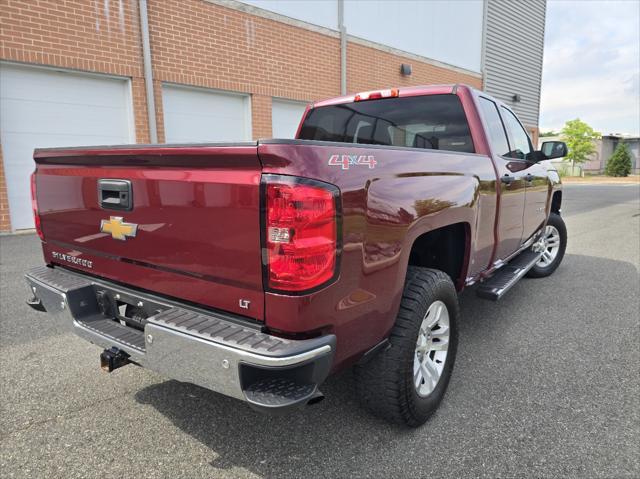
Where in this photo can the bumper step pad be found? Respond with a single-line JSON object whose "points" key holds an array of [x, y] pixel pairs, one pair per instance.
{"points": [[506, 277], [221, 330], [111, 329], [279, 392], [80, 295]]}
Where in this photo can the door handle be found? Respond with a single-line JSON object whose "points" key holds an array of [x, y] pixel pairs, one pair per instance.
{"points": [[507, 179], [115, 194], [529, 178]]}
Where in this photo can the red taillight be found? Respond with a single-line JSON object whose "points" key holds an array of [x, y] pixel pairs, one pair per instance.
{"points": [[34, 206], [301, 234]]}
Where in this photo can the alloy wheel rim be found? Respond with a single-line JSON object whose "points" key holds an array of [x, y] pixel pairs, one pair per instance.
{"points": [[550, 246], [432, 347]]}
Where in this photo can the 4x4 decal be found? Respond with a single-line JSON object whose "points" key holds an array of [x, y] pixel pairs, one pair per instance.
{"points": [[346, 161]]}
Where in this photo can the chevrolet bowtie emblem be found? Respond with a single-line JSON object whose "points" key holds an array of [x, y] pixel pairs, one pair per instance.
{"points": [[118, 229]]}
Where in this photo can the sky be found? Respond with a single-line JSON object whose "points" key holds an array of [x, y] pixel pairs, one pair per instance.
{"points": [[592, 65]]}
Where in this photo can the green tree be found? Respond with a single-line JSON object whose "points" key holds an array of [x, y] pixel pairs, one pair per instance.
{"points": [[620, 162], [580, 139], [544, 134]]}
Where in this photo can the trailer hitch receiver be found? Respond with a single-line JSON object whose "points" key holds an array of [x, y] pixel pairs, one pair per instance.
{"points": [[112, 359]]}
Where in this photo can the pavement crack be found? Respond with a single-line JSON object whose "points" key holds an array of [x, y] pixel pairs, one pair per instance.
{"points": [[68, 415]]}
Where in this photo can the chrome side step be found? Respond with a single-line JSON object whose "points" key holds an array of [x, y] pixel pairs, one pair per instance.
{"points": [[506, 277]]}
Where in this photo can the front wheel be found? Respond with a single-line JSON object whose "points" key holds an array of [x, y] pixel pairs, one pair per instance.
{"points": [[552, 244]]}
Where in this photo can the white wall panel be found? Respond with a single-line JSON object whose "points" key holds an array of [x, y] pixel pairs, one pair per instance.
{"points": [[42, 107], [285, 117], [317, 12], [447, 31], [194, 115]]}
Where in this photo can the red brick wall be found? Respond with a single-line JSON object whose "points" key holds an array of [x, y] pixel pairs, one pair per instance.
{"points": [[261, 116], [77, 34], [372, 68], [535, 135], [5, 221], [157, 95], [198, 43]]}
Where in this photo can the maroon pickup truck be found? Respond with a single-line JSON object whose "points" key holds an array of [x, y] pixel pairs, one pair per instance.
{"points": [[258, 269]]}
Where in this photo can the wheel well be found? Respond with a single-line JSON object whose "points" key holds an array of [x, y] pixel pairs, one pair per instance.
{"points": [[443, 249], [556, 202]]}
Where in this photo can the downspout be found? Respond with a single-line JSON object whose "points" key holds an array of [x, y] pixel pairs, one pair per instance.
{"points": [[483, 52], [148, 72], [343, 48]]}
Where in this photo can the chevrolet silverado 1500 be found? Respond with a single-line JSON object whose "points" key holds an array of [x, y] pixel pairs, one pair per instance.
{"points": [[257, 269]]}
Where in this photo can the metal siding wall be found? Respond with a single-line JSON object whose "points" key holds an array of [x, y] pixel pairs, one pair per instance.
{"points": [[514, 45]]}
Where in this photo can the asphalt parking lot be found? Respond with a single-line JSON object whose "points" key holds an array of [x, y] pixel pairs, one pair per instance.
{"points": [[546, 384]]}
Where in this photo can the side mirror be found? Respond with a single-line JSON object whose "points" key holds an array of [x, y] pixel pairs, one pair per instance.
{"points": [[554, 149]]}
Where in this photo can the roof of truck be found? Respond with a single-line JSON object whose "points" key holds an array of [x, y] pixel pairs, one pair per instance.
{"points": [[401, 92]]}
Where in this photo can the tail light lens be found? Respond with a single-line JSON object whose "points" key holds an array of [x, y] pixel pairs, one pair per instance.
{"points": [[34, 206], [300, 233]]}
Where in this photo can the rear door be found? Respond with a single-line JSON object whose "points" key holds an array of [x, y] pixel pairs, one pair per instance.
{"points": [[511, 178], [534, 174]]}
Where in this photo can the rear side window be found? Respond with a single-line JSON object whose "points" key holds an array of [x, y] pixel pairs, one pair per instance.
{"points": [[495, 128], [434, 122]]}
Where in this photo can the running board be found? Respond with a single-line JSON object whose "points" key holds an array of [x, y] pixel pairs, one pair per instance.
{"points": [[506, 277]]}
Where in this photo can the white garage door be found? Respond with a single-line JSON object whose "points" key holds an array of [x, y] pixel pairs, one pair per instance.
{"points": [[194, 115], [45, 108], [285, 117]]}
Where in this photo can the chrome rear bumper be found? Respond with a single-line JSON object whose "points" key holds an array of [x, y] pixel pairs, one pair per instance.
{"points": [[218, 352]]}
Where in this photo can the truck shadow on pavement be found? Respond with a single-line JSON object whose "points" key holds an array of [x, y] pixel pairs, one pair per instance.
{"points": [[504, 354], [278, 445]]}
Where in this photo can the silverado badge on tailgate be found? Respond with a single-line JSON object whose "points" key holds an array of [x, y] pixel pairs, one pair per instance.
{"points": [[118, 229]]}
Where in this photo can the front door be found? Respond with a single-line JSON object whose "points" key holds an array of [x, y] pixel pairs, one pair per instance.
{"points": [[511, 183], [536, 199], [533, 174]]}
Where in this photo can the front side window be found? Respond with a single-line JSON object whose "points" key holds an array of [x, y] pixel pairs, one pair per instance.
{"points": [[495, 128], [435, 122], [521, 147]]}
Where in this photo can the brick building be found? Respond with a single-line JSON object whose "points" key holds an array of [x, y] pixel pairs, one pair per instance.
{"points": [[75, 72]]}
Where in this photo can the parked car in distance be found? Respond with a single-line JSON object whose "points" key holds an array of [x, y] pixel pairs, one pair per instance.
{"points": [[257, 269]]}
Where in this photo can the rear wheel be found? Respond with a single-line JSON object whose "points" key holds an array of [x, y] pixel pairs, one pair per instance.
{"points": [[552, 244], [406, 382]]}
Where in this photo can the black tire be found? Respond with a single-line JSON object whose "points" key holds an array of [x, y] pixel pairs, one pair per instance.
{"points": [[537, 271], [385, 384]]}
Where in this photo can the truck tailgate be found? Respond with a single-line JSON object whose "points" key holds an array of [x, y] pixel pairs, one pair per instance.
{"points": [[196, 213]]}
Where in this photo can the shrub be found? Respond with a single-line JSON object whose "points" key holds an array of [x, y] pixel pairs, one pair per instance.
{"points": [[563, 171], [620, 162]]}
